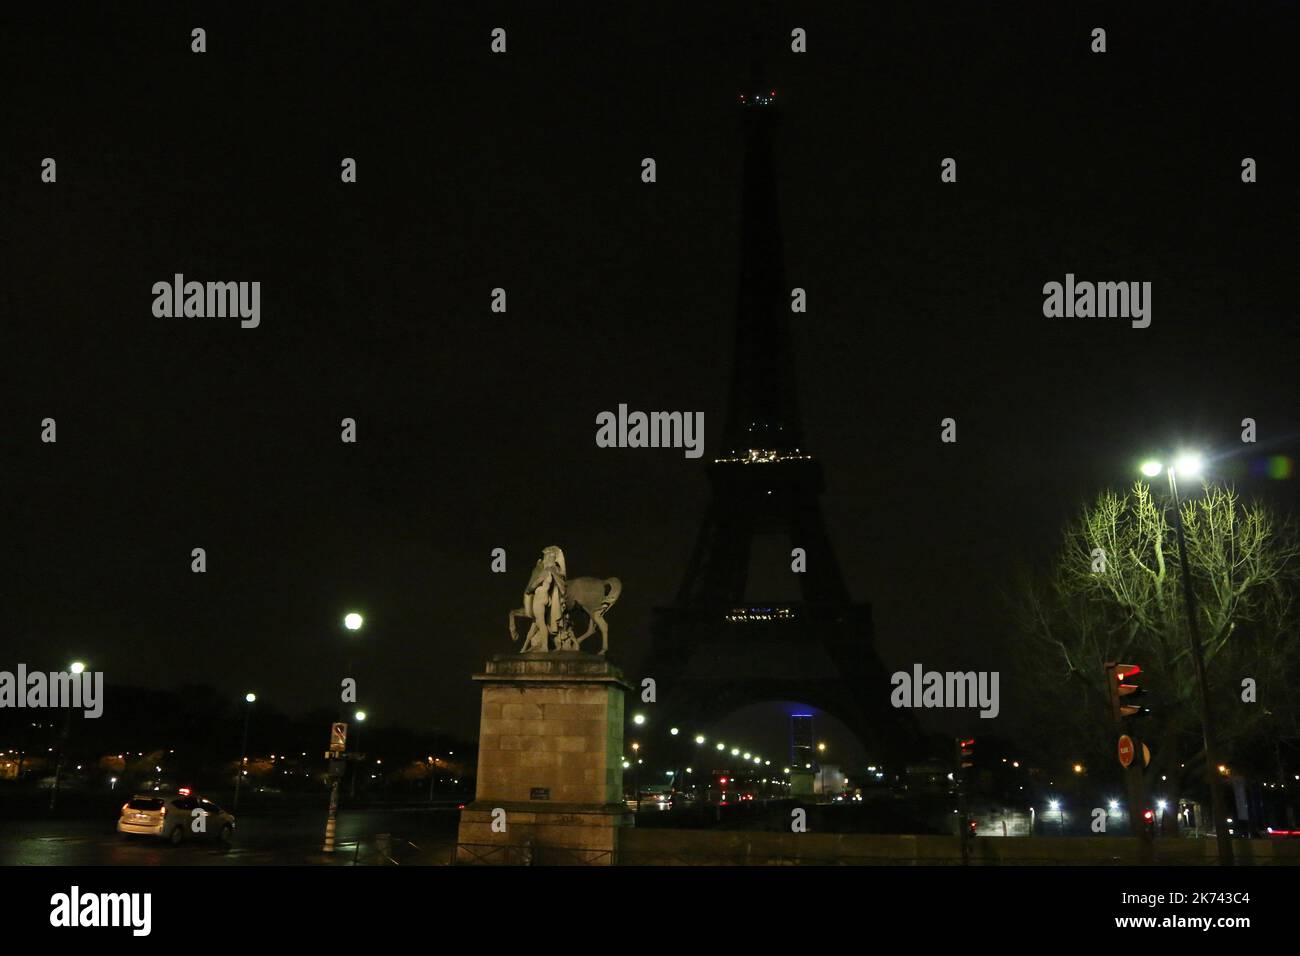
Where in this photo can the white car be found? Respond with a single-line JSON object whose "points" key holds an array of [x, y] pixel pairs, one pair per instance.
{"points": [[175, 818]]}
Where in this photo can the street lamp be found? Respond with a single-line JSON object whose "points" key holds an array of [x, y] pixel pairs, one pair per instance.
{"points": [[360, 718], [1189, 465], [249, 698], [77, 668], [352, 621]]}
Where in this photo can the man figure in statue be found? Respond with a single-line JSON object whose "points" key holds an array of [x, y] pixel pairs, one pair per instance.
{"points": [[544, 602]]}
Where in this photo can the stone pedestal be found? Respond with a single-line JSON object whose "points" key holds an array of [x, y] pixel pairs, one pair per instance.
{"points": [[550, 756]]}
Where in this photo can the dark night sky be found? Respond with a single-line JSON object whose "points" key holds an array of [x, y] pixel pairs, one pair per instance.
{"points": [[522, 171]]}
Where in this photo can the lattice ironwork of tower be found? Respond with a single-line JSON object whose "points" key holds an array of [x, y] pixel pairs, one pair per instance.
{"points": [[727, 642]]}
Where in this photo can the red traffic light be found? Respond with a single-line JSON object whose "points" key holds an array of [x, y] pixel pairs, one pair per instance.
{"points": [[1149, 816], [1120, 690]]}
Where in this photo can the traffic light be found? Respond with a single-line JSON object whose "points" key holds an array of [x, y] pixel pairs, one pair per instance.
{"points": [[965, 752], [1125, 693]]}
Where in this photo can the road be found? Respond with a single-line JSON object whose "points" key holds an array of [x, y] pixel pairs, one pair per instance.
{"points": [[414, 836]]}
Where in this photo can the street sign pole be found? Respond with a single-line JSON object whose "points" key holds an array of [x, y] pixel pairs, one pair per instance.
{"points": [[330, 822], [337, 756]]}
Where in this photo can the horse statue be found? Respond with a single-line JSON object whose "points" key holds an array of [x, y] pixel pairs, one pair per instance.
{"points": [[548, 598]]}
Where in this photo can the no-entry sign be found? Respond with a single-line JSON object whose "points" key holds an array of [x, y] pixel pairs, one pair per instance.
{"points": [[338, 738], [1125, 750]]}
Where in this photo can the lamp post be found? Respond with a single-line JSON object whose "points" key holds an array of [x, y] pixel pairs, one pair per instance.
{"points": [[249, 698], [358, 719], [1190, 465], [77, 668], [636, 772], [337, 761], [821, 769], [352, 621]]}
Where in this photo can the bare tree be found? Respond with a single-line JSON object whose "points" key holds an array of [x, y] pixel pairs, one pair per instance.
{"points": [[1113, 593]]}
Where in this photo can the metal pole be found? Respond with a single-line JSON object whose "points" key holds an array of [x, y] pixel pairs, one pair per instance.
{"points": [[1134, 774], [330, 822], [1198, 664], [356, 764], [58, 766]]}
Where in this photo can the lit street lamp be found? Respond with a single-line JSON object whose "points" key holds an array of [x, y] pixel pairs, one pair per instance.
{"points": [[249, 698], [359, 718], [352, 621], [1190, 466], [77, 668]]}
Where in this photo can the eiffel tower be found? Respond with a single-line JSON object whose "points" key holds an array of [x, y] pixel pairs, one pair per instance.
{"points": [[726, 643]]}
